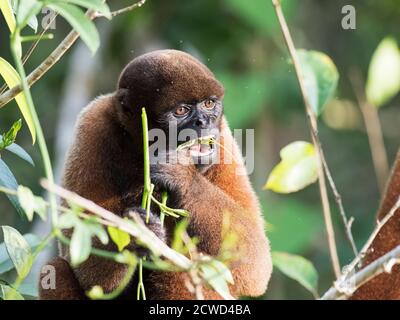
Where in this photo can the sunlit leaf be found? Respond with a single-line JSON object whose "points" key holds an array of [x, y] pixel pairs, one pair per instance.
{"points": [[32, 21], [31, 204], [320, 78], [26, 11], [297, 169], [384, 73], [218, 276], [80, 22], [83, 231], [9, 293], [12, 79], [81, 244], [18, 249], [297, 268], [6, 263], [7, 180], [6, 9], [119, 237]]}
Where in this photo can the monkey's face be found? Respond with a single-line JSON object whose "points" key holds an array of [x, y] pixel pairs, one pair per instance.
{"points": [[181, 97], [196, 125]]}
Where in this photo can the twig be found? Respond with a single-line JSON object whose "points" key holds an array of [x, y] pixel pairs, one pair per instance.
{"points": [[350, 285], [373, 235], [123, 10], [373, 128], [314, 134], [55, 56], [338, 198]]}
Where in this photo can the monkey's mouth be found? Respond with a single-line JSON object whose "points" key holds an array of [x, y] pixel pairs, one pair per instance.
{"points": [[200, 147]]}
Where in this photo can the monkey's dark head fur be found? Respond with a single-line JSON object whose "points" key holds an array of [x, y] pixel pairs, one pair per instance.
{"points": [[179, 93], [161, 80]]}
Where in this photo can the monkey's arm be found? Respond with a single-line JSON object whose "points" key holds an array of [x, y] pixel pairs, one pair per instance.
{"points": [[207, 199], [387, 285]]}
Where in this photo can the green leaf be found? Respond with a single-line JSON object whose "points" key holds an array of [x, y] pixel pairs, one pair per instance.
{"points": [[8, 181], [20, 152], [119, 237], [26, 11], [9, 137], [9, 293], [297, 169], [384, 73], [18, 250], [32, 21], [218, 276], [297, 268], [31, 204], [320, 78], [29, 289], [84, 230], [81, 244], [12, 79], [80, 22], [97, 5], [6, 263], [6, 9]]}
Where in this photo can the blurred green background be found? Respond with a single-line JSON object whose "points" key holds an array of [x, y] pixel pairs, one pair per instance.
{"points": [[241, 42]]}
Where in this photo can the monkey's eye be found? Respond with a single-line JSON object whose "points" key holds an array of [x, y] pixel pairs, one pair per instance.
{"points": [[181, 111], [209, 104]]}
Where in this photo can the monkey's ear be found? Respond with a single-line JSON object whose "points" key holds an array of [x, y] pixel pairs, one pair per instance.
{"points": [[122, 100]]}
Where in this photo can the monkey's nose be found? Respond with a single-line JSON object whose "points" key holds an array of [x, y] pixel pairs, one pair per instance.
{"points": [[202, 123]]}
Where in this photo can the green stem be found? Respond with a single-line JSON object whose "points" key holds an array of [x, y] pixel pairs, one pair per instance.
{"points": [[164, 198], [147, 192], [124, 283], [40, 136], [140, 288]]}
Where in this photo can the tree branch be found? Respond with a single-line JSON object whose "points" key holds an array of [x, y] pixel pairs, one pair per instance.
{"points": [[374, 130], [345, 289], [314, 134], [346, 286], [56, 55]]}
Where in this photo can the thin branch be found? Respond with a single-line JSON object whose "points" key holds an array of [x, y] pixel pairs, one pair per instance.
{"points": [[373, 235], [55, 56], [314, 134], [123, 10], [345, 289], [338, 198], [373, 128]]}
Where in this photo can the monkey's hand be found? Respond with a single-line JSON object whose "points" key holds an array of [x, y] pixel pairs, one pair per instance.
{"points": [[154, 225], [173, 173]]}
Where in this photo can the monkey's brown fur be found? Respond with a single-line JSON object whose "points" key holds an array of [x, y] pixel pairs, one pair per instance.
{"points": [[385, 286], [105, 165]]}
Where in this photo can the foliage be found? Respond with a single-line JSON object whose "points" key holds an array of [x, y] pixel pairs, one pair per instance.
{"points": [[298, 269], [296, 170], [384, 73]]}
